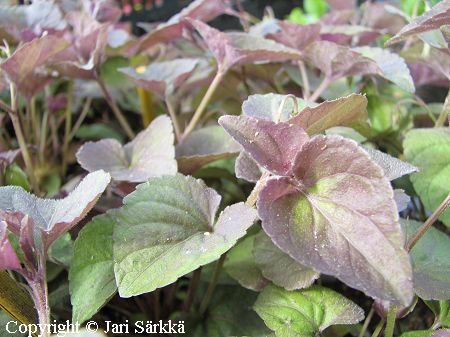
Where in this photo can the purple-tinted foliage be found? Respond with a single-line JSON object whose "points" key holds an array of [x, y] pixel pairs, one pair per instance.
{"points": [[296, 36], [273, 146], [433, 19], [230, 49], [8, 257], [150, 154], [25, 67]]}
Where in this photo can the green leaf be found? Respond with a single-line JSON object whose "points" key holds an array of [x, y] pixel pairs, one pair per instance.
{"points": [[279, 267], [241, 266], [98, 131], [418, 333], [229, 314], [429, 150], [305, 313], [441, 310], [14, 175], [91, 274], [166, 230], [110, 73], [61, 250], [431, 262]]}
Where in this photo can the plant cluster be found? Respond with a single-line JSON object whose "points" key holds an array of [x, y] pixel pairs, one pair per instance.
{"points": [[317, 207]]}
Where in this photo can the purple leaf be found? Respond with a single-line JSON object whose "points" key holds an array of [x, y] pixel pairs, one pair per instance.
{"points": [[337, 61], [345, 111], [204, 146], [162, 77], [231, 49], [150, 154], [433, 19], [401, 199], [274, 146], [342, 4], [23, 67], [8, 157], [345, 34], [203, 10], [8, 257], [296, 36], [441, 333], [51, 217], [338, 216], [246, 168]]}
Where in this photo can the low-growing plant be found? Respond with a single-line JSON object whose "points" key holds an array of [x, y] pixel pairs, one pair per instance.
{"points": [[288, 179]]}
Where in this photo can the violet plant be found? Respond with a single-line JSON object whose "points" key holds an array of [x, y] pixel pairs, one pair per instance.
{"points": [[287, 179]]}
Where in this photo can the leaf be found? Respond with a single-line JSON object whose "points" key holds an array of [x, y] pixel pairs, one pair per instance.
{"points": [[15, 176], [204, 146], [272, 145], [296, 36], [279, 267], [305, 313], [429, 150], [150, 154], [337, 61], [417, 333], [162, 77], [345, 111], [229, 314], [230, 49], [267, 107], [393, 67], [168, 224], [22, 67], [91, 274], [393, 168], [316, 219], [431, 262], [436, 17], [51, 217], [8, 257], [246, 168], [441, 333], [241, 266], [203, 10]]}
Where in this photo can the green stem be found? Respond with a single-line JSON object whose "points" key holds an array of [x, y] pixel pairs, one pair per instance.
{"points": [[43, 138], [21, 140], [305, 80], [116, 110], [204, 103], [366, 322], [173, 116], [444, 113], [320, 89], [212, 285], [427, 224], [378, 328], [390, 323], [80, 120], [34, 120]]}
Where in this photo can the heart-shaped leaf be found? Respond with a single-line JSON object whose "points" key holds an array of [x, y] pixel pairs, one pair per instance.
{"points": [[305, 313], [162, 77], [241, 266], [279, 267], [203, 146], [344, 111], [274, 146], [392, 66], [231, 49], [431, 262], [337, 61], [51, 217], [168, 224], [296, 36], [150, 154], [429, 150], [316, 219], [22, 67], [430, 20], [91, 275]]}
